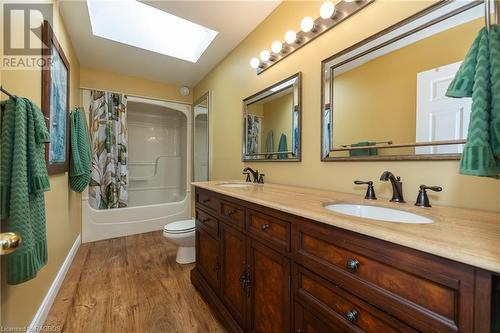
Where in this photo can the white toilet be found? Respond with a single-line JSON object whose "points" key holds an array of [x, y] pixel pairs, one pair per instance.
{"points": [[182, 233]]}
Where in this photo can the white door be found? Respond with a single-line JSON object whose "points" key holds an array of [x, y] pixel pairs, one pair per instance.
{"points": [[440, 117]]}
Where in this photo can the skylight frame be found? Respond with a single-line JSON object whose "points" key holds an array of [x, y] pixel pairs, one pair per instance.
{"points": [[129, 21]]}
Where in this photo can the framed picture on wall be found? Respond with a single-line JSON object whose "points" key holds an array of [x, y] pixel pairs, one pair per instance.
{"points": [[55, 101]]}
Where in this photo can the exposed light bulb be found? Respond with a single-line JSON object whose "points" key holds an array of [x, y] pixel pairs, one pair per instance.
{"points": [[350, 0], [307, 24], [276, 46], [327, 10], [265, 55], [290, 37], [254, 63]]}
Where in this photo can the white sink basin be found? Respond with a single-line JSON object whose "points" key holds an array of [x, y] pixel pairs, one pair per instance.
{"points": [[379, 213], [235, 185]]}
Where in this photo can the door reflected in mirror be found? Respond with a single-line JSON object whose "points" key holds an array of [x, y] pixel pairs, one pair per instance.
{"points": [[201, 147], [272, 123], [385, 97]]}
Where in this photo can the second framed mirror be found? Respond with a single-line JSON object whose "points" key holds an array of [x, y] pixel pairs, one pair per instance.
{"points": [[272, 123]]}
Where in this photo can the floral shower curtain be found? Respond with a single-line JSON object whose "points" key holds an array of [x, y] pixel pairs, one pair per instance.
{"points": [[253, 133], [109, 139]]}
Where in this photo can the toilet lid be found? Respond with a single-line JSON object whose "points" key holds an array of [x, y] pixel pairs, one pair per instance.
{"points": [[180, 227]]}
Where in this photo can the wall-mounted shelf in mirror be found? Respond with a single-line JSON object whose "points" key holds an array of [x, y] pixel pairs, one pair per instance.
{"points": [[384, 97], [272, 121]]}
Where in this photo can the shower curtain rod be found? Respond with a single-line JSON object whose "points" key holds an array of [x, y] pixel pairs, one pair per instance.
{"points": [[139, 96]]}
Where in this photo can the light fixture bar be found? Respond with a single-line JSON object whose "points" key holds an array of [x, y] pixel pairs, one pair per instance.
{"points": [[343, 10]]}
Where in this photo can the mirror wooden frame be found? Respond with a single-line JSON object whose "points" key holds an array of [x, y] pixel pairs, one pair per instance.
{"points": [[325, 67], [252, 98]]}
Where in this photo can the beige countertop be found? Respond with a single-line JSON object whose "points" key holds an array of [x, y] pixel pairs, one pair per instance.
{"points": [[464, 235]]}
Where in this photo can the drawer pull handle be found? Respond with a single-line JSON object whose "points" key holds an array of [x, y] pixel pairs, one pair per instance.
{"points": [[216, 266], [352, 315], [232, 212], [207, 200], [352, 264], [264, 226], [206, 219]]}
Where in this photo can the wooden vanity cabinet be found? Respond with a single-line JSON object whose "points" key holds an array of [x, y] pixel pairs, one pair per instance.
{"points": [[266, 271]]}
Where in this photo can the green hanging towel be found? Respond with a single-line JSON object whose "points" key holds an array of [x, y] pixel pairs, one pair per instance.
{"points": [[494, 37], [473, 80], [282, 146], [24, 180], [80, 163], [269, 144]]}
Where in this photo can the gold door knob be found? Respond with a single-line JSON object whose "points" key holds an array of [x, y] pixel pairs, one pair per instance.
{"points": [[9, 242]]}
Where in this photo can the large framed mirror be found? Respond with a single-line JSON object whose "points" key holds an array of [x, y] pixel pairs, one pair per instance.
{"points": [[384, 97], [272, 122], [201, 139]]}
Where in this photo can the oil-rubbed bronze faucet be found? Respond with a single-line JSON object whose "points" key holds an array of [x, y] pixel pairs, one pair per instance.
{"points": [[370, 191], [397, 186], [422, 198], [255, 174]]}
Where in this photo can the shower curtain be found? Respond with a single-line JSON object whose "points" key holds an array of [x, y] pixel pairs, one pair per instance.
{"points": [[253, 133], [109, 139]]}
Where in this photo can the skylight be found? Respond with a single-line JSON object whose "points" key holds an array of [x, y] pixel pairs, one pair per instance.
{"points": [[137, 24]]}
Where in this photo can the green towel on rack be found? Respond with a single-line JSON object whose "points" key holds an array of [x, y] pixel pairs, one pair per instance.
{"points": [[80, 163], [363, 152], [473, 79], [24, 180], [282, 146]]}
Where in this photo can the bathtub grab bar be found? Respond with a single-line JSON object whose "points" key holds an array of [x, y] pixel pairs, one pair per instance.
{"points": [[146, 178]]}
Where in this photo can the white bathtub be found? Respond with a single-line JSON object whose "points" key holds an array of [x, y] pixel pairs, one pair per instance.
{"points": [[111, 223]]}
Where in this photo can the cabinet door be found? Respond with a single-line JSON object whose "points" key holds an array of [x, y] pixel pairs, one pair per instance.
{"points": [[207, 257], [233, 271], [269, 290], [307, 322]]}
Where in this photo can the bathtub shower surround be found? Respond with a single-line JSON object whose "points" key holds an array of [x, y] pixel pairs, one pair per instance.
{"points": [[159, 170], [109, 139]]}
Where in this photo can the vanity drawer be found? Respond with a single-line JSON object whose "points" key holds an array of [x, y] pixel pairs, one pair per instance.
{"points": [[268, 229], [208, 222], [233, 213], [341, 308], [208, 200], [430, 294]]}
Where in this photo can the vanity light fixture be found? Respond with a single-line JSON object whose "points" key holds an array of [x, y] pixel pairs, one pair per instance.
{"points": [[310, 29], [265, 55], [254, 63], [290, 37], [327, 10], [276, 47], [307, 24]]}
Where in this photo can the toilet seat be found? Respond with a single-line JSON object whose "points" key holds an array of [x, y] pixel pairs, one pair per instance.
{"points": [[180, 227]]}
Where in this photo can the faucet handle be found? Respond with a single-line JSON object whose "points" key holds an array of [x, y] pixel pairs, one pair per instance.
{"points": [[422, 198], [370, 191], [432, 188], [261, 178]]}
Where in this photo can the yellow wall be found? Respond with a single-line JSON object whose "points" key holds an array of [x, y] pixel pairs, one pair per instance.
{"points": [[97, 79], [233, 79], [278, 115], [372, 99], [19, 303]]}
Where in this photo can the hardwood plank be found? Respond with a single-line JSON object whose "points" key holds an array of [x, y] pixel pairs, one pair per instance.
{"points": [[130, 284]]}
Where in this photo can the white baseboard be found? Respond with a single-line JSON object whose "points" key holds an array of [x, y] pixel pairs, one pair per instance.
{"points": [[43, 310]]}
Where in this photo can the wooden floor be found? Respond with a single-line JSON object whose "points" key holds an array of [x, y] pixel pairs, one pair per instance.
{"points": [[130, 284]]}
